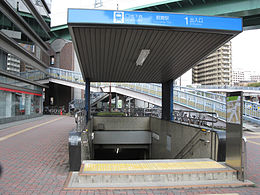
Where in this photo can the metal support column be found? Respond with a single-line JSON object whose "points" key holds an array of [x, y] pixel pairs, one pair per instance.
{"points": [[87, 100], [116, 101], [167, 100]]}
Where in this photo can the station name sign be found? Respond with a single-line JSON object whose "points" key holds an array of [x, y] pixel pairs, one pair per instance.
{"points": [[153, 19]]}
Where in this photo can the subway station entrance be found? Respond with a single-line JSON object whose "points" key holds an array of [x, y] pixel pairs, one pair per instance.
{"points": [[146, 152]]}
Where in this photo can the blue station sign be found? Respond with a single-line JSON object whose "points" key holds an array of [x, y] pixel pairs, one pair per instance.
{"points": [[153, 19]]}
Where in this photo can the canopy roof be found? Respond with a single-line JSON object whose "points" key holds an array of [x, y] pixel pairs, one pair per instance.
{"points": [[108, 43]]}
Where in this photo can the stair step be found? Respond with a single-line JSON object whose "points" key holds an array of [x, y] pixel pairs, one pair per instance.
{"points": [[158, 177], [178, 173], [74, 183]]}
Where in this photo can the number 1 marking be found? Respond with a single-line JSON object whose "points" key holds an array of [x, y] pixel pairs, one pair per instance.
{"points": [[187, 20]]}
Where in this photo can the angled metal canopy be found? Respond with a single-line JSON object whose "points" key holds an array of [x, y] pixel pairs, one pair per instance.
{"points": [[108, 43]]}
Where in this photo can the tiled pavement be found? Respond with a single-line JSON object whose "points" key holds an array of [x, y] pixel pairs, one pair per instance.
{"points": [[35, 161]]}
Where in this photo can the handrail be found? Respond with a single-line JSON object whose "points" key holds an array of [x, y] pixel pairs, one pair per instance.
{"points": [[193, 145], [227, 87], [243, 175], [80, 119], [189, 145]]}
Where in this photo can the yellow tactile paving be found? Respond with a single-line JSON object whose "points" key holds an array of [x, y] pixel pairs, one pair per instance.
{"points": [[253, 137], [150, 166]]}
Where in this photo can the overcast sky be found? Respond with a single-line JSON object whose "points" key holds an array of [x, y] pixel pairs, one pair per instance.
{"points": [[245, 46]]}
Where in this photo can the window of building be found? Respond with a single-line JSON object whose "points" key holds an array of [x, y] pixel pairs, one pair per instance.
{"points": [[52, 61]]}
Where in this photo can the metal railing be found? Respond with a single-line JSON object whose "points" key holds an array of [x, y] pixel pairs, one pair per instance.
{"points": [[227, 87], [34, 75], [80, 119], [200, 100], [67, 75], [200, 119], [132, 112], [188, 97]]}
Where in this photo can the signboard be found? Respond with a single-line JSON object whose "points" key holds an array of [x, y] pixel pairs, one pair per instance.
{"points": [[119, 104], [234, 131], [153, 19], [234, 109]]}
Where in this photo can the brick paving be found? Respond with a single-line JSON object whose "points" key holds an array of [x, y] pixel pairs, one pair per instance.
{"points": [[36, 162]]}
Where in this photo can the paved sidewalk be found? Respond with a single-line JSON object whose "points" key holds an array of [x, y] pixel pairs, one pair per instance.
{"points": [[34, 156], [15, 123]]}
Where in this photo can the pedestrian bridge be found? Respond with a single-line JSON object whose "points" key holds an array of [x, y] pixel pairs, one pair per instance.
{"points": [[216, 88], [184, 98]]}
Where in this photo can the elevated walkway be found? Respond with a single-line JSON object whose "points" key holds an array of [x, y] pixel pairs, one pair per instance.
{"points": [[184, 98], [216, 88], [142, 174]]}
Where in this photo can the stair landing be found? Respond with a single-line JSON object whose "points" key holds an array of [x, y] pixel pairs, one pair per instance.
{"points": [[143, 174]]}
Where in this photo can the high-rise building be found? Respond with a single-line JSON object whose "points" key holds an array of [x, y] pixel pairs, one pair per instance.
{"points": [[216, 69]]}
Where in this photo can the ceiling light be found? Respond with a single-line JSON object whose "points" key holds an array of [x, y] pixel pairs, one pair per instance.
{"points": [[142, 56]]}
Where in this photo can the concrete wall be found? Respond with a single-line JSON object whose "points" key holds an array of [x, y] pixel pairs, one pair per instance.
{"points": [[66, 57], [169, 138], [121, 123]]}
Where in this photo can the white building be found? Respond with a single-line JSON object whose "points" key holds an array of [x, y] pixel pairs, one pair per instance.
{"points": [[240, 75], [237, 76]]}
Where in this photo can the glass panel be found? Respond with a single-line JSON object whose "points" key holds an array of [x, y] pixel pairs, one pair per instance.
{"points": [[15, 104]]}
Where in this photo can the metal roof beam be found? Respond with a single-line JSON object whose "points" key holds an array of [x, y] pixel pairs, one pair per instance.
{"points": [[179, 4], [11, 46], [46, 6], [168, 6], [37, 16], [156, 8], [252, 22], [154, 4], [9, 12], [228, 8]]}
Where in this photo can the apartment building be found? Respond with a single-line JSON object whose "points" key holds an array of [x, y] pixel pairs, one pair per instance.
{"points": [[216, 69]]}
